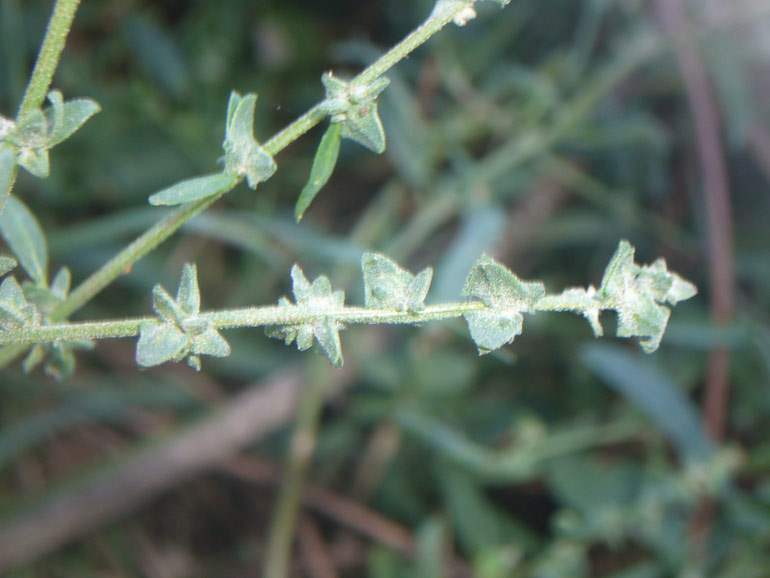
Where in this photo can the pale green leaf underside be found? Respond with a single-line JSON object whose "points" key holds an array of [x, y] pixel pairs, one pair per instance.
{"points": [[25, 237], [194, 189]]}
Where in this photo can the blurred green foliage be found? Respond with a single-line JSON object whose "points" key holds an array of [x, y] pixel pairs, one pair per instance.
{"points": [[542, 134]]}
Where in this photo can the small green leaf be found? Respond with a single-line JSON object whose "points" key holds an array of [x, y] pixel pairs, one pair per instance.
{"points": [[158, 343], [194, 189], [362, 124], [7, 164], [15, 311], [389, 286], [25, 237], [60, 286], [244, 156], [165, 306], [7, 264], [496, 286], [188, 295], [210, 342], [506, 297], [35, 161], [318, 298], [490, 330], [323, 166], [65, 118]]}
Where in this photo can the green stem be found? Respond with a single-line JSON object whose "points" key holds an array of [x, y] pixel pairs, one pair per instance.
{"points": [[287, 315], [48, 57], [303, 443]]}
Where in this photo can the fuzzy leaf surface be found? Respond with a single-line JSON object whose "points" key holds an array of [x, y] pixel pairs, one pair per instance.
{"points": [[194, 189], [7, 164], [25, 237], [244, 156], [387, 285]]}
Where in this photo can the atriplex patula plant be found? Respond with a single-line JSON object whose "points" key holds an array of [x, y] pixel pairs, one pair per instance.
{"points": [[34, 312]]}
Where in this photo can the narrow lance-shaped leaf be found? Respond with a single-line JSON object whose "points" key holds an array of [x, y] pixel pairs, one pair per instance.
{"points": [[323, 166], [194, 189], [25, 237]]}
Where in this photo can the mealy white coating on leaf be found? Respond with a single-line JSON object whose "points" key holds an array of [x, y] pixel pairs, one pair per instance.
{"points": [[244, 156]]}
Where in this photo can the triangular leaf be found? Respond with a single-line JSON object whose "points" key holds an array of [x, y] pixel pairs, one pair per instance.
{"points": [[35, 161], [165, 306], [194, 189], [74, 114], [496, 286], [328, 335], [188, 296], [158, 343], [25, 237], [210, 342], [362, 124], [323, 166], [387, 285]]}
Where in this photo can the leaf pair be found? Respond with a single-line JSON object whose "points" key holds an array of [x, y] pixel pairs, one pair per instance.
{"points": [[180, 332], [321, 304], [35, 134], [505, 296], [244, 158]]}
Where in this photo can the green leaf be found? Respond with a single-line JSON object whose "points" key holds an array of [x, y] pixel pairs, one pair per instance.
{"points": [[25, 237], [7, 264], [637, 294], [65, 118], [165, 306], [355, 107], [7, 164], [15, 311], [158, 343], [60, 286], [362, 124], [319, 299], [244, 156], [194, 189], [188, 295], [389, 286], [506, 297], [490, 330], [323, 166], [35, 161]]}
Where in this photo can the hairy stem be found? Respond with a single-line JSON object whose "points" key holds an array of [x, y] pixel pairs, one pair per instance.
{"points": [[48, 57], [268, 316]]}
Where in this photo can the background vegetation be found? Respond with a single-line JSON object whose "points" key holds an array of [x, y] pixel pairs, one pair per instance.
{"points": [[542, 134]]}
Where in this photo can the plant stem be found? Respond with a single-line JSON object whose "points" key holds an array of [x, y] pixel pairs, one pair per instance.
{"points": [[303, 443], [48, 57], [278, 315]]}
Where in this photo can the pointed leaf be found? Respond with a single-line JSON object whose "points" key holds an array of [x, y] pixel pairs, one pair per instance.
{"points": [[323, 166], [194, 189], [241, 127], [492, 329], [165, 306], [60, 286], [158, 343], [12, 303], [188, 296], [7, 264], [7, 164], [496, 286], [362, 124], [64, 118], [328, 336], [232, 105], [210, 342], [25, 237], [35, 161], [388, 285]]}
